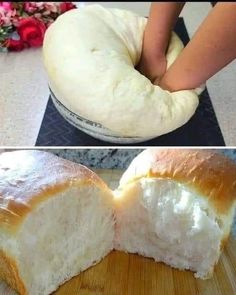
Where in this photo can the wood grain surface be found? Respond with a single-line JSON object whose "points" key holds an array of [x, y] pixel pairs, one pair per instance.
{"points": [[129, 274]]}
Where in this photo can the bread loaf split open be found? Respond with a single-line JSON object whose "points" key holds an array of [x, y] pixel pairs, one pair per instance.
{"points": [[56, 220], [177, 207]]}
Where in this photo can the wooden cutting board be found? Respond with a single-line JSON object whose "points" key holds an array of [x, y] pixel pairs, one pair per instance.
{"points": [[129, 274]]}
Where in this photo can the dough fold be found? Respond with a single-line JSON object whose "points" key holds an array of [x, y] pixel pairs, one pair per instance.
{"points": [[90, 56]]}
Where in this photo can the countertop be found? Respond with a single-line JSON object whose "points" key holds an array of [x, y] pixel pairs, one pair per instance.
{"points": [[111, 158], [107, 158]]}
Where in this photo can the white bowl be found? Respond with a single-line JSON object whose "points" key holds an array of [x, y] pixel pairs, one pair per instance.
{"points": [[93, 129]]}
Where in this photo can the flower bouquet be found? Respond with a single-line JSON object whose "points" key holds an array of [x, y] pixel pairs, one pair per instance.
{"points": [[23, 24]]}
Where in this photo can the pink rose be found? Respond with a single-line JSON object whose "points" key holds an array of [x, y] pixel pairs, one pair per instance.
{"points": [[30, 7], [6, 16], [51, 7], [6, 5]]}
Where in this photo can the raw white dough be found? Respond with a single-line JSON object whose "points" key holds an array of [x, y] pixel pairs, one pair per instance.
{"points": [[90, 54]]}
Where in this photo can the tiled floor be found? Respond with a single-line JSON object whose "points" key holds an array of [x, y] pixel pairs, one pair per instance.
{"points": [[24, 92]]}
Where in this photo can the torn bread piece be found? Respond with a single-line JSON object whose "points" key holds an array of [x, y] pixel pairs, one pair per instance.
{"points": [[56, 220], [177, 206]]}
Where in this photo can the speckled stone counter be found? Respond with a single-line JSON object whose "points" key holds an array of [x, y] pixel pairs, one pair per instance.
{"points": [[110, 158], [99, 158]]}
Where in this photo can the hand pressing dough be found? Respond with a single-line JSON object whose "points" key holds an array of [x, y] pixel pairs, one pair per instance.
{"points": [[90, 56]]}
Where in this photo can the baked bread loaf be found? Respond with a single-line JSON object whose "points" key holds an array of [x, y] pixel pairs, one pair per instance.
{"points": [[90, 56], [177, 207], [56, 219]]}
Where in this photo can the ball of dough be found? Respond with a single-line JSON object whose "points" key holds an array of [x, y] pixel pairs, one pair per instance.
{"points": [[90, 56]]}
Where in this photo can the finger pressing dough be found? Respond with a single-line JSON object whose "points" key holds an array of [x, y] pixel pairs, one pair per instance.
{"points": [[90, 56]]}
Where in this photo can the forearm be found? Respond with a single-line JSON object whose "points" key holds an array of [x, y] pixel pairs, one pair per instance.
{"points": [[162, 19], [211, 48]]}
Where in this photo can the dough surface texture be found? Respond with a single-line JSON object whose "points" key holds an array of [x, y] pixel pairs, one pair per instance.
{"points": [[90, 56]]}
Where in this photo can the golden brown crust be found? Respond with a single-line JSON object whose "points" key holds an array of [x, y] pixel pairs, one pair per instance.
{"points": [[224, 241], [9, 273], [206, 171], [29, 177]]}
